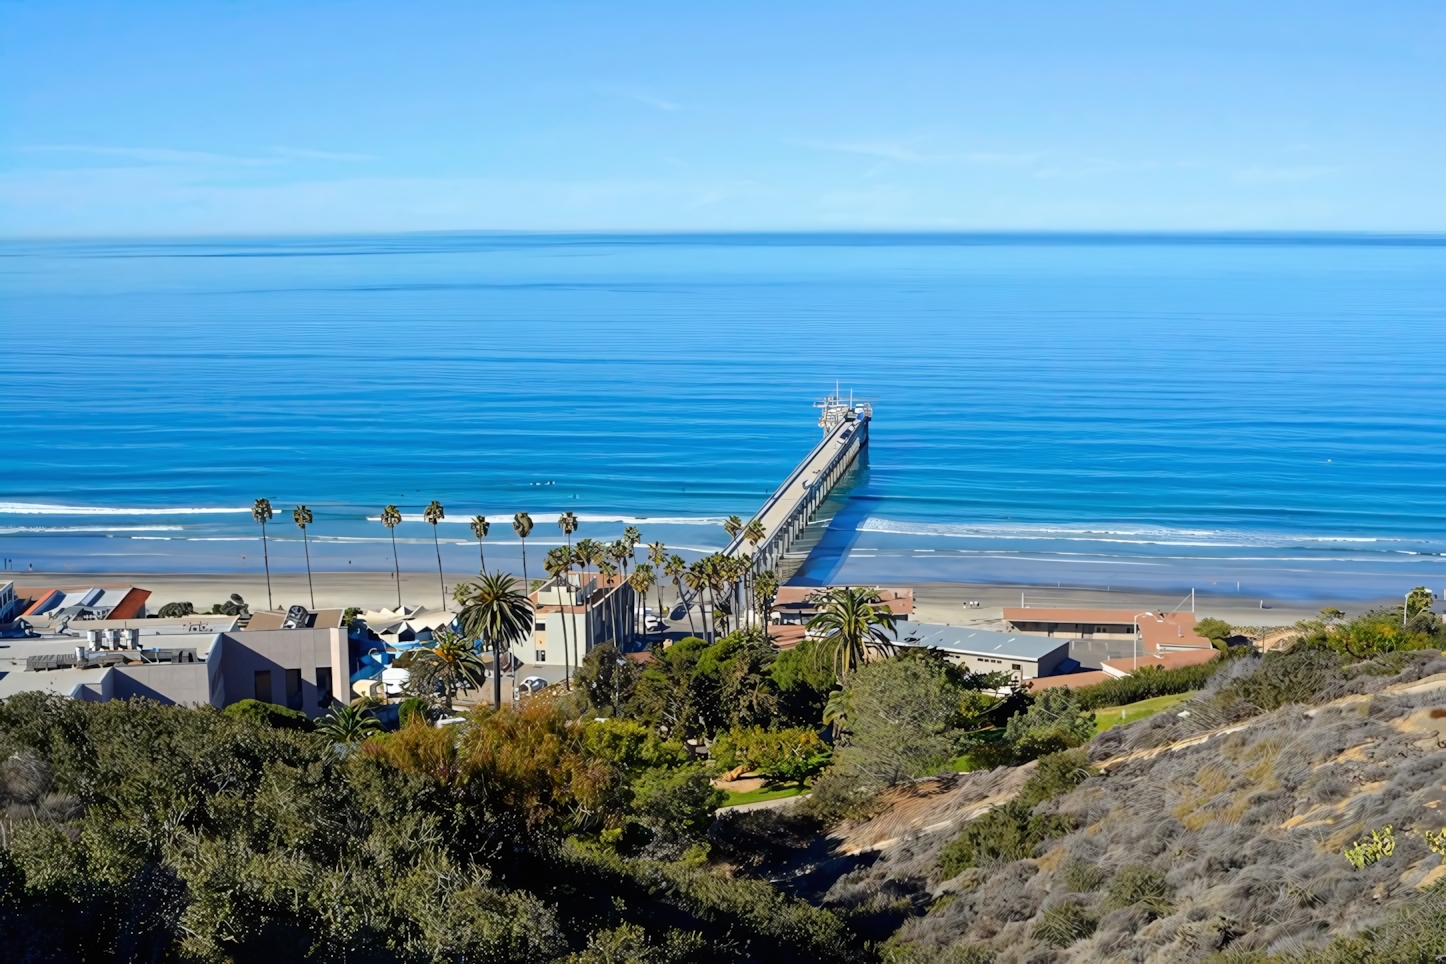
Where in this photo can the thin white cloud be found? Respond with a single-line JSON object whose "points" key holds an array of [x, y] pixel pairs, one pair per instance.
{"points": [[904, 153], [310, 155], [637, 96], [1282, 175], [149, 155]]}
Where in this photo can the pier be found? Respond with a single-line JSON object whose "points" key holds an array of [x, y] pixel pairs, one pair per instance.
{"points": [[787, 512]]}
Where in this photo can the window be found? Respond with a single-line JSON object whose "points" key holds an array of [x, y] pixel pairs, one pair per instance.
{"points": [[323, 686], [263, 685], [293, 689], [1015, 667], [540, 654]]}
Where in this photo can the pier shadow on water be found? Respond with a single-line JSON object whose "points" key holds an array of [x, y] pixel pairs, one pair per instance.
{"points": [[817, 555]]}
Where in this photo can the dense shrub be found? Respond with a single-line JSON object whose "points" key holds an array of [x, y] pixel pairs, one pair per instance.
{"points": [[1055, 721], [792, 754], [680, 800], [1064, 923], [1056, 774], [1010, 832], [269, 714], [1146, 683], [1291, 677], [173, 609], [1138, 885]]}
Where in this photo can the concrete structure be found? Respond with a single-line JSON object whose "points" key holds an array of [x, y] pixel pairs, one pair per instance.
{"points": [[583, 612], [980, 651], [1158, 632], [9, 602], [299, 668], [787, 512]]}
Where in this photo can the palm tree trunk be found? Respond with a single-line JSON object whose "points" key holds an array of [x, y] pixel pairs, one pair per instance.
{"points": [[683, 598], [481, 558], [566, 670], [441, 583], [496, 676], [309, 587], [659, 585], [396, 567], [266, 556]]}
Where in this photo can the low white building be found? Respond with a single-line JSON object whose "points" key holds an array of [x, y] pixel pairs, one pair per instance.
{"points": [[982, 651]]}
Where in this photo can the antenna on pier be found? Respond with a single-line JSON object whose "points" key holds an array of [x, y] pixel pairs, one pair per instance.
{"points": [[837, 410]]}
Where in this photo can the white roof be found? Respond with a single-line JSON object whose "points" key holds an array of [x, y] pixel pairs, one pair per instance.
{"points": [[976, 642]]}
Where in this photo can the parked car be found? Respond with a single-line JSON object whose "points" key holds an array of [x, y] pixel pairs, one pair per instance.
{"points": [[531, 685]]}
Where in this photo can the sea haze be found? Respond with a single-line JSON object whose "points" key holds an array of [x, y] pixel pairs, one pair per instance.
{"points": [[1153, 412]]}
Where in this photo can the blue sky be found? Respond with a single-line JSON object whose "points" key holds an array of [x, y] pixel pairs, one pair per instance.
{"points": [[254, 117]]}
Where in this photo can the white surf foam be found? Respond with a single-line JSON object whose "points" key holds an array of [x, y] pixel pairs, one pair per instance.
{"points": [[45, 508]]}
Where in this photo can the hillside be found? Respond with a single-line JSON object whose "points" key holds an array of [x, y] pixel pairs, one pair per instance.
{"points": [[1218, 826]]}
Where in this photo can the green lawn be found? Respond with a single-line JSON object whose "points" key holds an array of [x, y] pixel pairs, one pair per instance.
{"points": [[1115, 715], [762, 793]]}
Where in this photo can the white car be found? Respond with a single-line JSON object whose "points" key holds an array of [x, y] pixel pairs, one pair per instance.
{"points": [[531, 685]]}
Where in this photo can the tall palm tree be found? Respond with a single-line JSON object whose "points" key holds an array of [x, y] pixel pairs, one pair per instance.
{"points": [[755, 533], [852, 621], [733, 525], [696, 577], [434, 513], [607, 570], [301, 515], [522, 525], [261, 512], [567, 522], [454, 663], [391, 518], [765, 590], [557, 564], [348, 725], [642, 580], [632, 536], [675, 568], [480, 526], [494, 612], [621, 552], [658, 556]]}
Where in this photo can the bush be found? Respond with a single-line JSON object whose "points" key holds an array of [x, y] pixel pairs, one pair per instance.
{"points": [[1006, 833], [1064, 923], [1139, 885], [792, 755], [1055, 775], [413, 708], [1215, 630], [269, 714], [1055, 721], [173, 609], [1293, 677], [680, 801], [1082, 878], [1146, 683]]}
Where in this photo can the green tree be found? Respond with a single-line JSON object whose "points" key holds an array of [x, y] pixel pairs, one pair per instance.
{"points": [[1218, 631], [434, 513], [261, 513], [1418, 600], [348, 725], [1054, 721], [851, 621], [495, 612], [452, 662], [391, 518], [522, 525], [480, 528], [765, 590], [173, 609], [302, 516], [568, 523], [679, 801]]}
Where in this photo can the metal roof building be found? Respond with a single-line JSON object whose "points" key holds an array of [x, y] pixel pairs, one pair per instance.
{"points": [[982, 651]]}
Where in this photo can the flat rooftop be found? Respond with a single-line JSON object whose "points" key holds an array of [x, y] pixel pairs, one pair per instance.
{"points": [[976, 642]]}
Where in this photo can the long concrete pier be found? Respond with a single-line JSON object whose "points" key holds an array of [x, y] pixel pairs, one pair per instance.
{"points": [[787, 512]]}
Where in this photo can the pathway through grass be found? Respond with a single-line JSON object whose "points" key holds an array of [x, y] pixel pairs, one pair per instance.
{"points": [[1109, 716]]}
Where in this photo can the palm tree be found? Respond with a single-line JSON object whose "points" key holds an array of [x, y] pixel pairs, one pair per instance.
{"points": [[434, 513], [675, 567], [696, 576], [567, 522], [765, 590], [301, 515], [755, 533], [621, 552], [658, 556], [261, 512], [522, 525], [835, 712], [494, 612], [606, 571], [852, 621], [479, 529], [733, 525], [391, 518], [454, 664], [642, 580], [632, 536], [348, 725], [557, 563]]}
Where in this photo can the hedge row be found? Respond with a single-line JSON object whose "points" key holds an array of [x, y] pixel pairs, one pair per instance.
{"points": [[1147, 683]]}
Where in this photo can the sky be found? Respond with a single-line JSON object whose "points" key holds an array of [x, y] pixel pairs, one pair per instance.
{"points": [[207, 118]]}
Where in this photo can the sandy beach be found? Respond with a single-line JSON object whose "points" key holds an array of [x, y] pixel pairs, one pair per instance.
{"points": [[935, 602]]}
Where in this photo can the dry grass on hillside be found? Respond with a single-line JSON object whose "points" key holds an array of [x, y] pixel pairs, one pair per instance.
{"points": [[1222, 828]]}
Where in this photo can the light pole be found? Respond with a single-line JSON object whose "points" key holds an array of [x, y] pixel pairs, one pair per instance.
{"points": [[1137, 635]]}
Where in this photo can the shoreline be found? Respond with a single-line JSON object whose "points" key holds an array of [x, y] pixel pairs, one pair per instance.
{"points": [[938, 602]]}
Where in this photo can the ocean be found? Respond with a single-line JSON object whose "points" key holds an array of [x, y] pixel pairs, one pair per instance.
{"points": [[1156, 412]]}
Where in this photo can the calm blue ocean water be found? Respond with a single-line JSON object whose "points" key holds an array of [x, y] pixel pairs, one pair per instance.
{"points": [[1153, 412]]}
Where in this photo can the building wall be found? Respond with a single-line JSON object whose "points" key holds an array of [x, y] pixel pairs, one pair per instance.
{"points": [[187, 684], [242, 655]]}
